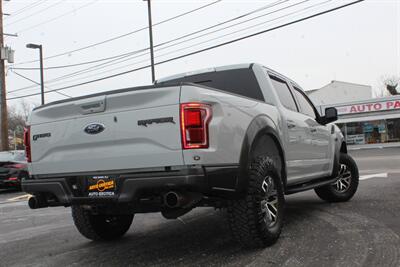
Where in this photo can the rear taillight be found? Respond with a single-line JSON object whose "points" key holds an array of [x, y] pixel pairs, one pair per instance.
{"points": [[27, 143], [16, 166], [195, 118]]}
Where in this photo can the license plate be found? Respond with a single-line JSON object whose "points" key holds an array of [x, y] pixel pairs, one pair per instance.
{"points": [[101, 186]]}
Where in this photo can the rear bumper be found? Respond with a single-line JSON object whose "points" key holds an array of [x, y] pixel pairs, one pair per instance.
{"points": [[213, 181], [6, 183], [9, 184]]}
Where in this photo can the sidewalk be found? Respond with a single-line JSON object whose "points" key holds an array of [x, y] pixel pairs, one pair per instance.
{"points": [[369, 146]]}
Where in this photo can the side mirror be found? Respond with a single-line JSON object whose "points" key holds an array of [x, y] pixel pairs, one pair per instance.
{"points": [[331, 115]]}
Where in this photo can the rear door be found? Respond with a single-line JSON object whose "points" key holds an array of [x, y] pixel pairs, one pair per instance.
{"points": [[115, 132], [298, 141]]}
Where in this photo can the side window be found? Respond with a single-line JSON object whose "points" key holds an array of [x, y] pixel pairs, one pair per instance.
{"points": [[284, 93], [305, 106]]}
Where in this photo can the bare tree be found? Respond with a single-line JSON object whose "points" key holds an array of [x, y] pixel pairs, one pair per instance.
{"points": [[26, 108], [391, 83], [17, 119]]}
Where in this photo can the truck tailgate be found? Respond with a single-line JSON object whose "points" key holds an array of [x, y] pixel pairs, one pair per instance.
{"points": [[119, 131]]}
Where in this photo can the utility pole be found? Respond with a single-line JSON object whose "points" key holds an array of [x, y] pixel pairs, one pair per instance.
{"points": [[3, 102], [153, 76]]}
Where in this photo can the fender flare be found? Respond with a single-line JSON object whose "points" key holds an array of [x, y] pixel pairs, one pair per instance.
{"points": [[260, 126]]}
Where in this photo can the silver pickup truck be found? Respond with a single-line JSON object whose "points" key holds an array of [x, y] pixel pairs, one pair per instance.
{"points": [[237, 137]]}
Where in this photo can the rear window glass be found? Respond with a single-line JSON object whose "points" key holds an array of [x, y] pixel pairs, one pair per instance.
{"points": [[238, 81]]}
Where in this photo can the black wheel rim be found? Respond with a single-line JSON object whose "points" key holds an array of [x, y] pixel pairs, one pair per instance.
{"points": [[343, 182], [269, 202]]}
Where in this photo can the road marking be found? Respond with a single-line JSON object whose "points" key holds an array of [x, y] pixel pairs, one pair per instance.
{"points": [[376, 175], [23, 197]]}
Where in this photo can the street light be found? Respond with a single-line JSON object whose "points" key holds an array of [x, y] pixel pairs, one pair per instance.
{"points": [[36, 46], [153, 76]]}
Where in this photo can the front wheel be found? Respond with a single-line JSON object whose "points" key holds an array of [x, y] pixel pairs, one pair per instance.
{"points": [[256, 220], [345, 186], [99, 226]]}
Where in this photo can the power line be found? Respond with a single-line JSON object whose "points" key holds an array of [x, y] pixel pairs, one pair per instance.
{"points": [[130, 56], [167, 42], [73, 73], [122, 35], [77, 73], [35, 82], [178, 50], [28, 7], [35, 13], [81, 63], [58, 17], [190, 45], [202, 50]]}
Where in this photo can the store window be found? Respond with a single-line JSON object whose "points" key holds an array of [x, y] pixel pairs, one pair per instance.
{"points": [[393, 129], [375, 131], [371, 132], [355, 134]]}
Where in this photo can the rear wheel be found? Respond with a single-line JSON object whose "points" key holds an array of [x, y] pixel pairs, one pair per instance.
{"points": [[100, 227], [256, 220], [346, 185]]}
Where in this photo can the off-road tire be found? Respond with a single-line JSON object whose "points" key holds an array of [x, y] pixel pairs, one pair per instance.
{"points": [[331, 193], [246, 217], [100, 227]]}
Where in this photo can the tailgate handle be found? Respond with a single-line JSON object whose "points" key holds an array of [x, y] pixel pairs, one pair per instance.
{"points": [[95, 105]]}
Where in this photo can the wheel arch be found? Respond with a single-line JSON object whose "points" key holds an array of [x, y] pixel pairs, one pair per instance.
{"points": [[261, 136], [343, 147]]}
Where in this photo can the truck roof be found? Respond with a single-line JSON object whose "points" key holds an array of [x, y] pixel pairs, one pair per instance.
{"points": [[221, 68], [207, 70], [185, 78]]}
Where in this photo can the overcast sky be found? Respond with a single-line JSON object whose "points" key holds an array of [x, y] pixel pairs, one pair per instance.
{"points": [[357, 44]]}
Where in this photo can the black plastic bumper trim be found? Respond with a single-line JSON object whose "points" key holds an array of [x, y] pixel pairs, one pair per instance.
{"points": [[208, 180]]}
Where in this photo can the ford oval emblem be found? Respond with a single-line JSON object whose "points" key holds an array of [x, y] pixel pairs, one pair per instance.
{"points": [[94, 128]]}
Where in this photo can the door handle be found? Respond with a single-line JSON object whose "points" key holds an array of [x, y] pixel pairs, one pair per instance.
{"points": [[291, 124], [313, 130]]}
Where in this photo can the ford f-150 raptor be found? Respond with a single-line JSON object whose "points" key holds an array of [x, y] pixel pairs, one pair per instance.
{"points": [[237, 137]]}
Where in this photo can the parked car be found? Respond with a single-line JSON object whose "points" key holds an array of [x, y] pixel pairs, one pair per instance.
{"points": [[235, 137], [13, 168]]}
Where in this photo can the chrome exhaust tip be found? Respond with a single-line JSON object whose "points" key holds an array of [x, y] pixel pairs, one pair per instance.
{"points": [[172, 199]]}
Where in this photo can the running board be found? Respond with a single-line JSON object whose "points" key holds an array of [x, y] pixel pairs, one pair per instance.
{"points": [[291, 189]]}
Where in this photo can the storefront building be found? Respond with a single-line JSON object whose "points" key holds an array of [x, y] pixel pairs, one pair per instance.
{"points": [[374, 121]]}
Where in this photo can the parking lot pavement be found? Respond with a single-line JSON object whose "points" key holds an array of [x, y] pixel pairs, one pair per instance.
{"points": [[7, 195], [362, 232], [377, 160]]}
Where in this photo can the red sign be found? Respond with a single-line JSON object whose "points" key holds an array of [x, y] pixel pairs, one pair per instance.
{"points": [[369, 107]]}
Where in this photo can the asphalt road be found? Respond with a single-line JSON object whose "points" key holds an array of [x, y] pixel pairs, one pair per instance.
{"points": [[362, 232]]}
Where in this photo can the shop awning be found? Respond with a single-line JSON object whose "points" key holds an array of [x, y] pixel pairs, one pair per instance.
{"points": [[370, 118]]}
